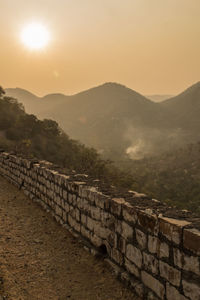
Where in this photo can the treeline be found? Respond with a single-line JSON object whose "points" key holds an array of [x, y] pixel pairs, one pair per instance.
{"points": [[172, 177], [27, 135]]}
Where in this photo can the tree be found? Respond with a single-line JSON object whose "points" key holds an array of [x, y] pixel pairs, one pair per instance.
{"points": [[2, 92]]}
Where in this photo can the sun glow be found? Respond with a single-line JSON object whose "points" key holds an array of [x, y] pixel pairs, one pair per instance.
{"points": [[35, 36]]}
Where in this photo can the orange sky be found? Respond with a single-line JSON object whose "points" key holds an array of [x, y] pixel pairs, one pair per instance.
{"points": [[151, 46]]}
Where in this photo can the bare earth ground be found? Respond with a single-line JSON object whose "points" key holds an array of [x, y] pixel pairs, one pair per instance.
{"points": [[41, 260]]}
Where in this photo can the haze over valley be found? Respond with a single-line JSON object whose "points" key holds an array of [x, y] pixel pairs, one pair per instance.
{"points": [[118, 121]]}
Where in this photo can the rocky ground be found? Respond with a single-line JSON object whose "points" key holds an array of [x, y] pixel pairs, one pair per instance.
{"points": [[41, 260]]}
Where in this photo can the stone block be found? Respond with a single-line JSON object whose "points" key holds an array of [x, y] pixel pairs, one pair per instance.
{"points": [[169, 273], [117, 256], [141, 238], [57, 200], [91, 194], [77, 214], [191, 264], [191, 240], [95, 240], [67, 208], [122, 244], [108, 220], [112, 239], [70, 198], [79, 203], [64, 216], [172, 228], [95, 213], [74, 199], [65, 195], [75, 225], [72, 212], [100, 200], [153, 244], [129, 213], [101, 231], [85, 232], [61, 192], [163, 251], [76, 186], [178, 258], [148, 222], [90, 224], [153, 284], [152, 296], [83, 219], [127, 231], [58, 211], [173, 294], [186, 262], [150, 263], [107, 204], [191, 290], [116, 206], [118, 226], [85, 205], [134, 255], [131, 268]]}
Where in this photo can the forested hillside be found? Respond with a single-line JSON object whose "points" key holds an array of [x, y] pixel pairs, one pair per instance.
{"points": [[172, 177], [110, 117], [27, 135], [116, 120]]}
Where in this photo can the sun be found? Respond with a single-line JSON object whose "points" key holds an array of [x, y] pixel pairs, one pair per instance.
{"points": [[35, 36]]}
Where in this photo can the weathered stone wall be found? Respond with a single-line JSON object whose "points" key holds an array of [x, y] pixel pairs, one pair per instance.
{"points": [[158, 257]]}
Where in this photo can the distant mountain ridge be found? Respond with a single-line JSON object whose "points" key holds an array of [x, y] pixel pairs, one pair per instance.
{"points": [[118, 120], [185, 108]]}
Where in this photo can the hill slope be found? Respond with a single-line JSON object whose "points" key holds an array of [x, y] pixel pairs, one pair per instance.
{"points": [[185, 108], [27, 135], [172, 177], [103, 117], [36, 105], [117, 120]]}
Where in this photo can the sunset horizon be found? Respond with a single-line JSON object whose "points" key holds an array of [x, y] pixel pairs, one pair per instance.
{"points": [[150, 48]]}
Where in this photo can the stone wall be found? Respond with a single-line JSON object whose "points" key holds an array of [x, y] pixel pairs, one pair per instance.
{"points": [[158, 257]]}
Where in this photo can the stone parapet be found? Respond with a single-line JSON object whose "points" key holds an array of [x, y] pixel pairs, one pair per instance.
{"points": [[158, 256]]}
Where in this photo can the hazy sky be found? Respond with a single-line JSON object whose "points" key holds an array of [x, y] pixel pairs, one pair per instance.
{"points": [[151, 46]]}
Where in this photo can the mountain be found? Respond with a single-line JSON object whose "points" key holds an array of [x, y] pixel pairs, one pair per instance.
{"points": [[36, 105], [107, 117], [106, 113], [158, 98], [25, 97], [185, 108], [25, 135], [118, 121]]}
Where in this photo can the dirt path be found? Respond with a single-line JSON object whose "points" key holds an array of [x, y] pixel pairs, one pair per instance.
{"points": [[40, 260]]}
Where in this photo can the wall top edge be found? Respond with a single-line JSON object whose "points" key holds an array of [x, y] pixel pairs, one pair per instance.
{"points": [[131, 201]]}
